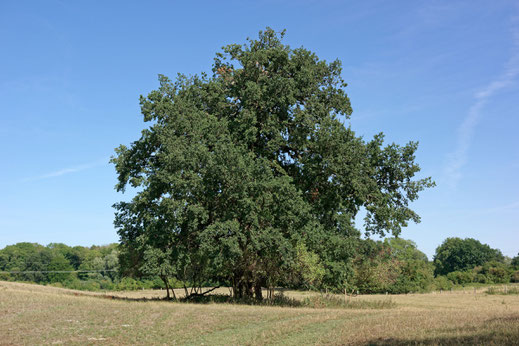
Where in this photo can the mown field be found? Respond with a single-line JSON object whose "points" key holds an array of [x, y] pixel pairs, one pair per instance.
{"points": [[32, 314]]}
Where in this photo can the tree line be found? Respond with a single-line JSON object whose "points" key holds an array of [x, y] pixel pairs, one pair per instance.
{"points": [[393, 265]]}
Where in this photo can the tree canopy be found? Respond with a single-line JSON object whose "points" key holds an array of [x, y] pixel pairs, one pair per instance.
{"points": [[240, 171], [456, 254], [405, 250], [50, 264], [515, 261]]}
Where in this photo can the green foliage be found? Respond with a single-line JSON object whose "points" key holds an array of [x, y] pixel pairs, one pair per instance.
{"points": [[415, 276], [515, 262], [378, 267], [442, 283], [309, 271], [404, 250], [394, 266], [462, 277], [59, 263], [128, 284], [50, 264], [237, 169], [456, 254], [494, 272], [26, 257]]}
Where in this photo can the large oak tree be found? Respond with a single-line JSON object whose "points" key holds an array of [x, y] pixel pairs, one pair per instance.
{"points": [[239, 169]]}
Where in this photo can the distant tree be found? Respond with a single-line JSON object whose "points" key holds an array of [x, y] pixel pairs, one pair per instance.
{"points": [[515, 262], [404, 250], [26, 257], [237, 169], [77, 255], [456, 254], [59, 264]]}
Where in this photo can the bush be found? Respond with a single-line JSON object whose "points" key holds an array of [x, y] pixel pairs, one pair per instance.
{"points": [[494, 272], [461, 277], [515, 276], [482, 279], [442, 283], [415, 276], [127, 284], [76, 284]]}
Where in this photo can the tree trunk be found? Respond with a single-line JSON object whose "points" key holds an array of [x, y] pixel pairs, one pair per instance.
{"points": [[166, 283], [257, 291], [249, 289], [237, 290], [174, 295]]}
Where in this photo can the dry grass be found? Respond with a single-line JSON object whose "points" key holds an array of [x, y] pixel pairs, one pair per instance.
{"points": [[31, 314], [503, 290]]}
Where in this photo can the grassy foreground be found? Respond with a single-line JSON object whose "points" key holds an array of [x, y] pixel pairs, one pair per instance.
{"points": [[32, 314]]}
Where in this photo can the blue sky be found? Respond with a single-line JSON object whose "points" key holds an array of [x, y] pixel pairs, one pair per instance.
{"points": [[444, 73]]}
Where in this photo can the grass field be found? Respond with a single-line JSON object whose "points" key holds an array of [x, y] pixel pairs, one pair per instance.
{"points": [[32, 314]]}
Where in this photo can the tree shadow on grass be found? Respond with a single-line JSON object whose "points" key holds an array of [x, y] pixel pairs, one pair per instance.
{"points": [[279, 300], [114, 297]]}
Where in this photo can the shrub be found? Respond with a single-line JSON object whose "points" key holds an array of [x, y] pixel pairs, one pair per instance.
{"points": [[461, 277], [494, 272], [515, 276], [442, 283], [482, 279], [127, 284]]}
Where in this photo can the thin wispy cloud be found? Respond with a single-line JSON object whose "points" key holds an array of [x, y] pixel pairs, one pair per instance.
{"points": [[458, 159], [68, 170]]}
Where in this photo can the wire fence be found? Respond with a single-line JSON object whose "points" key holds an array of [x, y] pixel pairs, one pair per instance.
{"points": [[56, 271]]}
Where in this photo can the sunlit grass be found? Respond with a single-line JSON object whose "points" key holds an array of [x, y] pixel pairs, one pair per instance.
{"points": [[503, 290], [32, 314]]}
